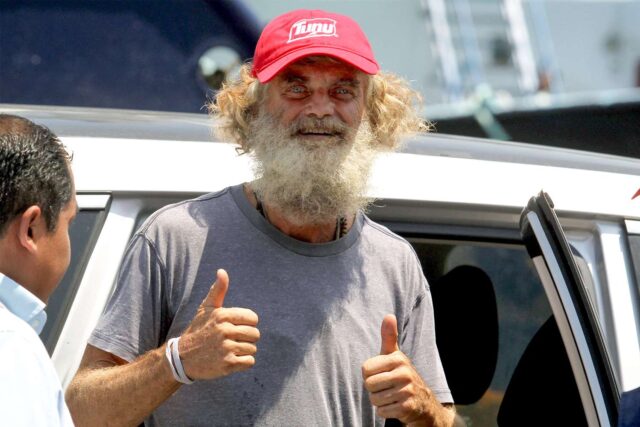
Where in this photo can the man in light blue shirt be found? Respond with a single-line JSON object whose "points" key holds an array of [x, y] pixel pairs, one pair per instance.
{"points": [[37, 204]]}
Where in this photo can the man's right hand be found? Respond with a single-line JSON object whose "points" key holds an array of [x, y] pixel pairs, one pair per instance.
{"points": [[219, 341]]}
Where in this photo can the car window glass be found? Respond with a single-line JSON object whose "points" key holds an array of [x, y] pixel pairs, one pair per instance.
{"points": [[587, 276], [83, 234], [588, 260], [634, 245], [521, 304]]}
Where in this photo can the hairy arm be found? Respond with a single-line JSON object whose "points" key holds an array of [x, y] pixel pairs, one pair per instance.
{"points": [[397, 390], [218, 342], [109, 391], [439, 416]]}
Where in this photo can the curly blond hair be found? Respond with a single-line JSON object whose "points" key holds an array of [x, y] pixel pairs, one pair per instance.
{"points": [[392, 108]]}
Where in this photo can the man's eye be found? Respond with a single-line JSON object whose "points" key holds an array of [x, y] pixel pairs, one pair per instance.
{"points": [[297, 89], [343, 92]]}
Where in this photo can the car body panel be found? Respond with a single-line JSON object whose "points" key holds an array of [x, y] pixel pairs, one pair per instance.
{"points": [[403, 176]]}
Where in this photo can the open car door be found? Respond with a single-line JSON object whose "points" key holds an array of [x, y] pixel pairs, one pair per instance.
{"points": [[593, 382]]}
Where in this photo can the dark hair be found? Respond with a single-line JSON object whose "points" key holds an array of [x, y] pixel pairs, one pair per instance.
{"points": [[34, 170]]}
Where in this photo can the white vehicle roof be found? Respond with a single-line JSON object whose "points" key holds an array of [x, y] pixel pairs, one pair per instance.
{"points": [[127, 151]]}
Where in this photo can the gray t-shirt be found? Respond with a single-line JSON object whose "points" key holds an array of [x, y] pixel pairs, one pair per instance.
{"points": [[320, 308]]}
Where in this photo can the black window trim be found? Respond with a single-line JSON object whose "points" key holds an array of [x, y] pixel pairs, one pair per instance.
{"points": [[455, 232], [83, 205]]}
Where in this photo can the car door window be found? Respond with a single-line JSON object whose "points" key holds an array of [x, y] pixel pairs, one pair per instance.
{"points": [[536, 363], [634, 246], [83, 233], [522, 309]]}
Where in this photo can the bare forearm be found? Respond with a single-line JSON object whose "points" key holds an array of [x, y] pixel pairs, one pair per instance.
{"points": [[121, 394], [219, 341], [439, 416]]}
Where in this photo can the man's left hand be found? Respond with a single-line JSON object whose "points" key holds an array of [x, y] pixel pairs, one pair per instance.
{"points": [[395, 387]]}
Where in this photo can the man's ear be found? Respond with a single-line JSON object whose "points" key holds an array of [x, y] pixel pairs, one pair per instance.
{"points": [[30, 227]]}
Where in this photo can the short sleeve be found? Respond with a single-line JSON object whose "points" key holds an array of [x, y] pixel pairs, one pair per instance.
{"points": [[134, 320], [418, 342]]}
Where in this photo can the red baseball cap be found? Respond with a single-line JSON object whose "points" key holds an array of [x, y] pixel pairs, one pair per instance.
{"points": [[301, 33]]}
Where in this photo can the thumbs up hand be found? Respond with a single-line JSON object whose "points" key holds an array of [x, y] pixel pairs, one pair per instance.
{"points": [[395, 387], [219, 340]]}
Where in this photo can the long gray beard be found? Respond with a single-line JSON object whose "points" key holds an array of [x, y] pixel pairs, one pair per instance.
{"points": [[311, 182]]}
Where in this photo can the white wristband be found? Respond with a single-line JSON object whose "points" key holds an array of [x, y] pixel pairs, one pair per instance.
{"points": [[167, 353], [173, 356]]}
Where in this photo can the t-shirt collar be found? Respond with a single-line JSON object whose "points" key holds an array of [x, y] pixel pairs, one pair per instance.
{"points": [[22, 303]]}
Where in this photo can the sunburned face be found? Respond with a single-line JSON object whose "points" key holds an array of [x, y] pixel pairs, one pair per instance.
{"points": [[313, 147], [319, 99]]}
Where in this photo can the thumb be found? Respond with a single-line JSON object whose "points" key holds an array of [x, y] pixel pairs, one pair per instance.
{"points": [[389, 332], [215, 297]]}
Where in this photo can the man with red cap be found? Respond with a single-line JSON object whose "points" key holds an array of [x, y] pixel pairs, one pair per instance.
{"points": [[346, 332]]}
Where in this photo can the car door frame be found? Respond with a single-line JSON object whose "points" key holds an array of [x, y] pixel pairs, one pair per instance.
{"points": [[574, 312]]}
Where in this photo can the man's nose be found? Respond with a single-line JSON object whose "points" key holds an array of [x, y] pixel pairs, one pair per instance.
{"points": [[320, 105]]}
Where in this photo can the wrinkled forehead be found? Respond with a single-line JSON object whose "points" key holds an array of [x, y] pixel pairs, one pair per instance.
{"points": [[322, 60], [323, 66]]}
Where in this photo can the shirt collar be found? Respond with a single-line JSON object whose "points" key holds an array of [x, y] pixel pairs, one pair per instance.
{"points": [[22, 303]]}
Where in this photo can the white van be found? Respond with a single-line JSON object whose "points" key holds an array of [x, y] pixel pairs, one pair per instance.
{"points": [[531, 330]]}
